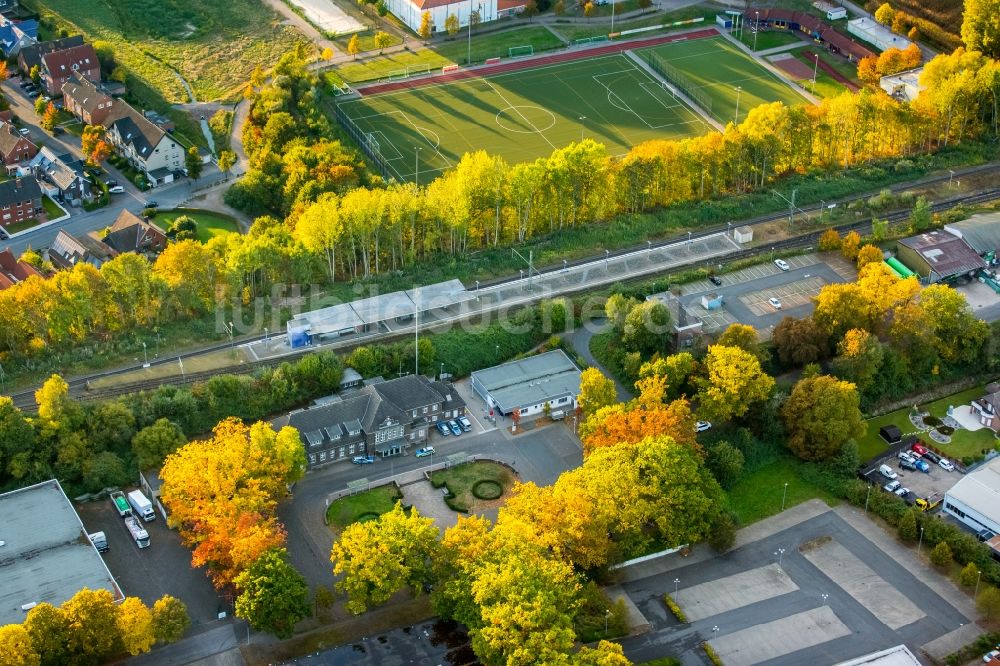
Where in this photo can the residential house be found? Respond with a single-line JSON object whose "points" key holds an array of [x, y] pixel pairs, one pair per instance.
{"points": [[13, 270], [8, 7], [86, 101], [61, 176], [146, 146], [15, 148], [20, 200], [382, 419], [67, 251], [14, 37], [987, 409], [31, 56], [131, 233], [59, 66]]}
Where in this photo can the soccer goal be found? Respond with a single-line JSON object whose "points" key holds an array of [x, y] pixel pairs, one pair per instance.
{"points": [[516, 51], [415, 70]]}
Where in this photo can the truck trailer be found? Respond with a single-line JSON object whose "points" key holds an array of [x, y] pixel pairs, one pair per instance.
{"points": [[118, 499], [143, 507], [140, 535]]}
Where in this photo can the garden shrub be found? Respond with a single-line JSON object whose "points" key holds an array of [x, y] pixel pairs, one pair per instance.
{"points": [[674, 608]]}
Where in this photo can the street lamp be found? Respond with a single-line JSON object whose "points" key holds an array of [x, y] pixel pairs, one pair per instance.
{"points": [[416, 166], [3, 382], [498, 352], [689, 238], [607, 255], [583, 118], [265, 335], [229, 330], [815, 67], [607, 614], [867, 497], [780, 554], [975, 594], [676, 583], [824, 597], [738, 90], [756, 29], [783, 494], [145, 357], [921, 540]]}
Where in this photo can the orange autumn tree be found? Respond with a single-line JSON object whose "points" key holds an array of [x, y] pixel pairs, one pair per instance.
{"points": [[222, 493], [645, 416]]}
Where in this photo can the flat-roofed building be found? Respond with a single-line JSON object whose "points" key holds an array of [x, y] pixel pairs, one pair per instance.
{"points": [[47, 555], [975, 499], [528, 385]]}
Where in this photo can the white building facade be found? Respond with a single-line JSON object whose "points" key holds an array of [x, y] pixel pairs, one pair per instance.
{"points": [[411, 11], [975, 499]]}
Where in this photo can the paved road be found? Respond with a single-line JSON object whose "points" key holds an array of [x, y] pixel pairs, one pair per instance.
{"points": [[539, 456], [580, 339]]}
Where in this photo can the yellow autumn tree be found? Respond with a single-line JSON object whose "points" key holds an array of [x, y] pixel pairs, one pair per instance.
{"points": [[135, 622], [733, 382]]}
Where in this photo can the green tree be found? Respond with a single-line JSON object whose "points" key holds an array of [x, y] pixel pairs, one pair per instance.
{"points": [[725, 461], [647, 327], [16, 435], [596, 391], [170, 619], [941, 554], [155, 442], [859, 358], [821, 414], [192, 162], [273, 595], [378, 558], [616, 309], [921, 217], [93, 621], [798, 341], [959, 335], [451, 24], [16, 648], [227, 158], [135, 623], [908, 526], [980, 29], [969, 575], [733, 382], [40, 106], [426, 26], [880, 229], [988, 602], [677, 369], [559, 8], [49, 630], [531, 8], [35, 74]]}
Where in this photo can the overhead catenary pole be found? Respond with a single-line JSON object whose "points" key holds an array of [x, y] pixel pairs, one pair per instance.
{"points": [[416, 334]]}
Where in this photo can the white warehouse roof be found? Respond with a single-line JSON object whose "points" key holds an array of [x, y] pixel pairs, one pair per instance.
{"points": [[530, 381], [980, 490]]}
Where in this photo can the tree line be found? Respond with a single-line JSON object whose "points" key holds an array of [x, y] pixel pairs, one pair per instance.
{"points": [[89, 628]]}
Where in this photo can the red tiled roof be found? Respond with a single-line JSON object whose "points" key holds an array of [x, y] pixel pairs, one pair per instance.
{"points": [[842, 42], [13, 270], [509, 4], [60, 63]]}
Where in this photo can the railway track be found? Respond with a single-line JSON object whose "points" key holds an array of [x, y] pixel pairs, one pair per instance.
{"points": [[80, 387]]}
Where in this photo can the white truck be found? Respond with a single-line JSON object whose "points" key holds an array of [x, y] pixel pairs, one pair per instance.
{"points": [[140, 535], [121, 504], [100, 541], [143, 507]]}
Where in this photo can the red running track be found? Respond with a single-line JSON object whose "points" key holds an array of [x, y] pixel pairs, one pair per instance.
{"points": [[566, 56]]}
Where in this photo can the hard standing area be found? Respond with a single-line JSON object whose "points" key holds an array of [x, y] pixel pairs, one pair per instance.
{"points": [[520, 115], [714, 68]]}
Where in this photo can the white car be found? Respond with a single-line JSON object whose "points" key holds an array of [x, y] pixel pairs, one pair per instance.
{"points": [[116, 189], [905, 455], [991, 655], [702, 426], [887, 472], [775, 303], [902, 491], [424, 452], [782, 264], [892, 486], [946, 465]]}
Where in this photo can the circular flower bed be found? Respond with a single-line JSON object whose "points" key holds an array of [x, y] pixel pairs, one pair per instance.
{"points": [[946, 430], [487, 490], [932, 421]]}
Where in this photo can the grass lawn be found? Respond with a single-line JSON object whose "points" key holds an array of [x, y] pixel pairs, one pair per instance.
{"points": [[601, 27], [448, 53], [769, 39], [76, 129], [521, 115], [23, 225], [213, 45], [826, 85], [366, 40], [714, 69], [210, 224], [963, 442], [758, 495], [363, 506], [461, 479], [51, 209]]}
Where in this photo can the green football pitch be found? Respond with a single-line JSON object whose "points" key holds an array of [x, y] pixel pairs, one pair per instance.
{"points": [[521, 115], [715, 68]]}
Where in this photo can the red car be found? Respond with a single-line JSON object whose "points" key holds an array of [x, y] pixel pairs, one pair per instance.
{"points": [[918, 449]]}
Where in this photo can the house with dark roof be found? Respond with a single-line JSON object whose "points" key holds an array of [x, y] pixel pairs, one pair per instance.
{"points": [[816, 29], [68, 250], [15, 148], [31, 56], [8, 7], [383, 419], [20, 200], [938, 256], [131, 233], [147, 147], [86, 101], [13, 270], [58, 66], [61, 176]]}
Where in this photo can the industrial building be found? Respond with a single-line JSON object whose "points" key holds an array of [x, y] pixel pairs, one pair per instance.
{"points": [[904, 86], [981, 232], [975, 499], [45, 552], [377, 313], [528, 385], [938, 256], [875, 33]]}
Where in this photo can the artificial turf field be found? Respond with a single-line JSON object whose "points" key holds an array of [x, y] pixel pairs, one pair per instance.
{"points": [[716, 67], [521, 115]]}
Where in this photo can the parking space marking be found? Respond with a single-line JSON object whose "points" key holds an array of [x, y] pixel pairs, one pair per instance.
{"points": [[770, 640], [742, 589]]}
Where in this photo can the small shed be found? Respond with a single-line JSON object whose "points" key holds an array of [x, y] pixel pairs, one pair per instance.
{"points": [[743, 234], [890, 433], [711, 301]]}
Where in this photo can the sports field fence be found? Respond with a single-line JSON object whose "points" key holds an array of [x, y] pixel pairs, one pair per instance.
{"points": [[683, 82], [368, 143]]}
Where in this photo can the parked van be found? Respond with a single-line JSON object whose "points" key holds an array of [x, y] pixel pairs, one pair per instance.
{"points": [[887, 472]]}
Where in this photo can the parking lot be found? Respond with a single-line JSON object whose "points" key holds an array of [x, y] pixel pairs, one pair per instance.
{"points": [[791, 295], [162, 568], [933, 483], [810, 586]]}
